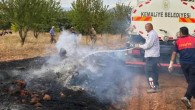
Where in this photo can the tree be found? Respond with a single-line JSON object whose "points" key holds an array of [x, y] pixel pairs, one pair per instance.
{"points": [[29, 14], [88, 13], [63, 21], [100, 17], [49, 11], [119, 22]]}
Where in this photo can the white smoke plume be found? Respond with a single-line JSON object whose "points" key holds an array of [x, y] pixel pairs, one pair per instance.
{"points": [[102, 73]]}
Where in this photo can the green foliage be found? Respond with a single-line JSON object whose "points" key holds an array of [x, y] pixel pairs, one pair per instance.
{"points": [[51, 12], [3, 23], [28, 15], [14, 28], [46, 15], [64, 22], [40, 15], [88, 13], [91, 13], [119, 22]]}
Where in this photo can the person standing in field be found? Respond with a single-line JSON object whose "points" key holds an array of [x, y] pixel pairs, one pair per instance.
{"points": [[185, 46], [74, 38], [52, 35], [93, 37], [152, 54]]}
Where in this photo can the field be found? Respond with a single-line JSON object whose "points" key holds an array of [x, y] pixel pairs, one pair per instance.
{"points": [[172, 87], [11, 49]]}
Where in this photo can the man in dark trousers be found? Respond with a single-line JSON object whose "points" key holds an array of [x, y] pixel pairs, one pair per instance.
{"points": [[52, 35], [152, 53], [93, 37], [185, 46]]}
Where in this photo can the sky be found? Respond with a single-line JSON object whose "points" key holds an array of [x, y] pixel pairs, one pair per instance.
{"points": [[111, 3]]}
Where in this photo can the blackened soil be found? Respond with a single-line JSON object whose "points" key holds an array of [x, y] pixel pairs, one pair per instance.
{"points": [[72, 100]]}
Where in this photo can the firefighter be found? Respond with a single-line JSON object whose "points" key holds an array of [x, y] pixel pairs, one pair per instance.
{"points": [[185, 47], [152, 53]]}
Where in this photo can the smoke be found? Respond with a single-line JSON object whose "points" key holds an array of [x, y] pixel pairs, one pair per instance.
{"points": [[58, 67], [102, 73], [111, 80], [68, 41]]}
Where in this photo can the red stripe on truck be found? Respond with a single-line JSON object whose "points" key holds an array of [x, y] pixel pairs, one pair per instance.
{"points": [[137, 18], [185, 3], [193, 20], [143, 63], [182, 20], [187, 20], [193, 7], [141, 5], [140, 18], [136, 52], [147, 2], [148, 18], [134, 11]]}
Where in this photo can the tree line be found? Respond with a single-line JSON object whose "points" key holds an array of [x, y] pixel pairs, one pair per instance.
{"points": [[39, 15]]}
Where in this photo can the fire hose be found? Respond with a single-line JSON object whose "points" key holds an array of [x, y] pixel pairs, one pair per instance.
{"points": [[107, 51]]}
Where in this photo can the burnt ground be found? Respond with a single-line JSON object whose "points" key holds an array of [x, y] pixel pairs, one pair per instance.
{"points": [[172, 88], [69, 100]]}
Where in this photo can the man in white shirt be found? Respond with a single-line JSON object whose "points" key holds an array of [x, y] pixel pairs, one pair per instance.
{"points": [[152, 53]]}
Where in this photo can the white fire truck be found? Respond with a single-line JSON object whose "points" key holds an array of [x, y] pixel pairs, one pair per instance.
{"points": [[167, 16]]}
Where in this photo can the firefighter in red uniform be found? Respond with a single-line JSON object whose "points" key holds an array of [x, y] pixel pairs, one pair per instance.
{"points": [[185, 46]]}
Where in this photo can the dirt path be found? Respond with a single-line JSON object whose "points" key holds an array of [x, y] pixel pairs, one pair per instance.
{"points": [[172, 88]]}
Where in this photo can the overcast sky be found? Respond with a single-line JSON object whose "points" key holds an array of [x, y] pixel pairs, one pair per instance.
{"points": [[111, 3]]}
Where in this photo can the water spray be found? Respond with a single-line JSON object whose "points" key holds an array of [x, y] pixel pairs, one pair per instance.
{"points": [[106, 51]]}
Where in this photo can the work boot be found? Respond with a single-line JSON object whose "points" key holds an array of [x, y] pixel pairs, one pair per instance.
{"points": [[157, 88], [186, 101], [151, 90]]}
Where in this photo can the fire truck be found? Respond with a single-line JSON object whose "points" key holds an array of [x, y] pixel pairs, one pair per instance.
{"points": [[167, 16]]}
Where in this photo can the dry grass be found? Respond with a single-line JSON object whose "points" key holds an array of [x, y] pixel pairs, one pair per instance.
{"points": [[11, 49], [108, 41]]}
